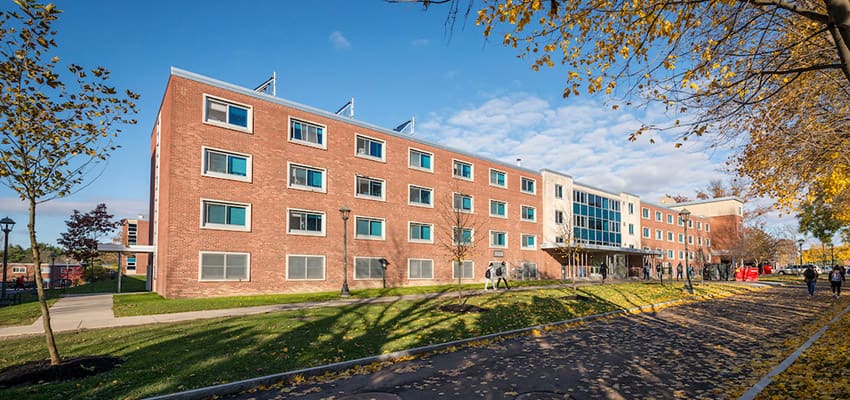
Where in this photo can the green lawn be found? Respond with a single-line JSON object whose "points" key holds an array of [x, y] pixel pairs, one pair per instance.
{"points": [[168, 358], [129, 284], [152, 303], [27, 312]]}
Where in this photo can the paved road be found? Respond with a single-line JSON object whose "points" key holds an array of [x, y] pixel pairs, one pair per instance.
{"points": [[701, 350]]}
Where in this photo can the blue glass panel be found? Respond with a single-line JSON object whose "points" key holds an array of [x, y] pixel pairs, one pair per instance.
{"points": [[131, 259], [467, 235], [467, 203], [238, 116], [216, 214], [425, 196], [237, 166], [375, 149], [314, 179], [617, 238], [375, 228], [362, 227], [605, 237], [236, 216], [604, 203], [576, 208], [425, 161], [319, 133], [467, 171], [576, 232], [583, 210], [426, 232], [296, 130]]}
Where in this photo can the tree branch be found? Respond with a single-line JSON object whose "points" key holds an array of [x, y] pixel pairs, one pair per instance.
{"points": [[809, 14]]}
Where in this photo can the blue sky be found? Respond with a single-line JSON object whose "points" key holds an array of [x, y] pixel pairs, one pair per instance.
{"points": [[396, 60]]}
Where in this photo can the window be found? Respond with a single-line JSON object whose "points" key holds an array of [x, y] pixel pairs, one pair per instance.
{"points": [[498, 239], [462, 202], [306, 133], [132, 231], [369, 188], [420, 269], [559, 217], [369, 228], [19, 270], [528, 242], [305, 268], [559, 239], [222, 215], [368, 268], [699, 240], [466, 270], [659, 235], [528, 213], [670, 254], [131, 263], [681, 255], [644, 213], [527, 185], [658, 216], [708, 242], [369, 148], [497, 178], [225, 266], [462, 235], [306, 222], [306, 178], [707, 227], [227, 114], [631, 208], [462, 169], [420, 232], [559, 192], [690, 239], [420, 196], [699, 225], [669, 236], [681, 238], [670, 219], [222, 164], [498, 208], [421, 160], [646, 232], [631, 229]]}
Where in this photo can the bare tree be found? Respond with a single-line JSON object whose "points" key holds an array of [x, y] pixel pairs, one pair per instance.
{"points": [[461, 232], [569, 250]]}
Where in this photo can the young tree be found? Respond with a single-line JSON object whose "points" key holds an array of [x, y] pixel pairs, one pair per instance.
{"points": [[461, 234], [52, 134], [84, 230], [569, 251]]}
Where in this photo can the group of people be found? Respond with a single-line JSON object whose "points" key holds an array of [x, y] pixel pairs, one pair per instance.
{"points": [[679, 271], [836, 277], [495, 271]]}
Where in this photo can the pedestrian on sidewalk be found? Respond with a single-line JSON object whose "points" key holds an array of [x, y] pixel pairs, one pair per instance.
{"points": [[659, 270], [835, 280], [646, 268], [603, 269], [679, 271], [810, 276], [488, 276], [500, 275]]}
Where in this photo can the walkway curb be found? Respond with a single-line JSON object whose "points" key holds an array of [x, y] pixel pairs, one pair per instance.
{"points": [[284, 377]]}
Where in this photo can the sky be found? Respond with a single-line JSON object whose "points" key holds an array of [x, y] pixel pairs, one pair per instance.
{"points": [[397, 60]]}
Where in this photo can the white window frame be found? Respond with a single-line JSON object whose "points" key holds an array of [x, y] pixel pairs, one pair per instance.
{"points": [[631, 208], [324, 267], [290, 183], [383, 182], [289, 230], [644, 213], [559, 191], [659, 234], [382, 158], [323, 145], [522, 209], [131, 265], [415, 204], [671, 254], [412, 240], [471, 203], [522, 241], [212, 174], [496, 246], [225, 253], [457, 268], [371, 237], [659, 216], [471, 170], [670, 219], [490, 209], [646, 233], [559, 217], [707, 227], [419, 259], [370, 278], [205, 118], [671, 237], [410, 151], [490, 178], [522, 181], [681, 238], [682, 257], [225, 227], [471, 235], [19, 270]]}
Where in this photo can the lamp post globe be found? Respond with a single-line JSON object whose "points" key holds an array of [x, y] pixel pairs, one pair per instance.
{"points": [[6, 225]]}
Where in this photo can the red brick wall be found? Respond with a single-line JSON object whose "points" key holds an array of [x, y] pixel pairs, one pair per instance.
{"points": [[676, 229]]}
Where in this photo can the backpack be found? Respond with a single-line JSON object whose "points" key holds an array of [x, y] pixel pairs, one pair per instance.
{"points": [[487, 273], [809, 274], [835, 276], [498, 271]]}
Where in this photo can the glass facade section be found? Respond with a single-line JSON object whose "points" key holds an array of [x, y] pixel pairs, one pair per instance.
{"points": [[596, 219]]}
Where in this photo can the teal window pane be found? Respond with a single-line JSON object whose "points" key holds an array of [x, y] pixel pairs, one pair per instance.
{"points": [[296, 130], [425, 161], [314, 179], [425, 196], [467, 236], [236, 216], [237, 166], [216, 214], [362, 227], [426, 232], [376, 228], [238, 116], [375, 149], [467, 203], [319, 135]]}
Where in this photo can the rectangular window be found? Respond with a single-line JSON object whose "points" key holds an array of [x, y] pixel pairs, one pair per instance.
{"points": [[699, 225], [559, 192], [644, 213], [132, 233], [646, 232], [690, 239], [527, 185], [681, 255], [227, 114], [306, 178], [222, 215], [462, 236], [19, 270], [707, 227], [369, 188], [670, 254], [631, 209], [658, 216], [222, 164], [305, 268], [528, 242], [306, 133], [498, 239], [131, 263], [421, 160], [670, 236], [699, 240], [224, 266], [306, 222], [498, 208], [528, 213], [369, 228], [462, 202], [462, 169], [368, 268], [708, 242], [659, 235], [466, 270], [681, 238], [559, 217], [369, 148], [420, 196], [420, 269], [497, 178], [420, 232], [631, 229]]}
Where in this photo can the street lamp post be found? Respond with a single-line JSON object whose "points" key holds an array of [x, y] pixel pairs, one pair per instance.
{"points": [[384, 264], [800, 244], [345, 213], [685, 215], [6, 225], [831, 254]]}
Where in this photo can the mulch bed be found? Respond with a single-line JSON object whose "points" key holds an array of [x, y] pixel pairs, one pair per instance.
{"points": [[42, 371], [462, 308], [576, 297]]}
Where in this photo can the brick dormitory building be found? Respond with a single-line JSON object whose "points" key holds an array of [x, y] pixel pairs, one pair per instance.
{"points": [[247, 188]]}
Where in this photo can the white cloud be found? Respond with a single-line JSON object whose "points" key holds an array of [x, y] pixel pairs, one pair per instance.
{"points": [[339, 41], [420, 42]]}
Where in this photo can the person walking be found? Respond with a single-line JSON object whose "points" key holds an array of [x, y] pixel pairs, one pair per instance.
{"points": [[659, 270], [646, 268], [603, 269], [835, 280], [500, 275], [488, 275], [810, 276], [679, 271]]}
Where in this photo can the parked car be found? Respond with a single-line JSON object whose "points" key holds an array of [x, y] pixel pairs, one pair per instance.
{"points": [[796, 269]]}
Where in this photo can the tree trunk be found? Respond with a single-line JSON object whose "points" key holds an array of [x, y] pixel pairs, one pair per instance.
{"points": [[39, 285], [839, 17]]}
